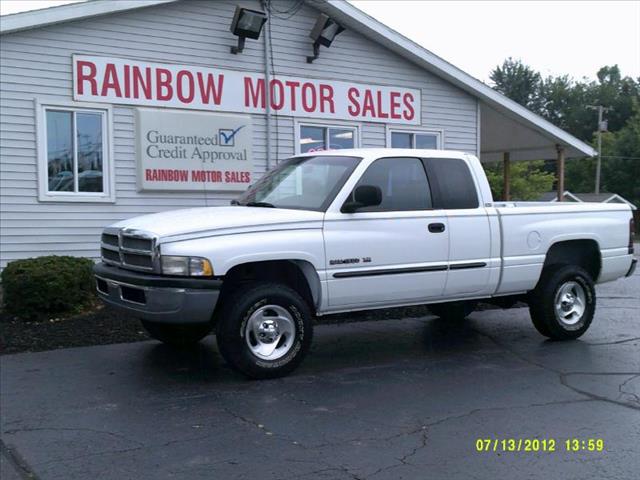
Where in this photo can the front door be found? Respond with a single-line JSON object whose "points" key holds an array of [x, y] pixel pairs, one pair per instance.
{"points": [[396, 252]]}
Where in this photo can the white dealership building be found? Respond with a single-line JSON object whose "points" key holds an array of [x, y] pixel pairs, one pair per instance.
{"points": [[115, 109]]}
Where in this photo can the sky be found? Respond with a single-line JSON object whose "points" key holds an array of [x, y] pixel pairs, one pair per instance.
{"points": [[554, 37]]}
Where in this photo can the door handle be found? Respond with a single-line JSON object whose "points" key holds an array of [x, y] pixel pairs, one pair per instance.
{"points": [[436, 227]]}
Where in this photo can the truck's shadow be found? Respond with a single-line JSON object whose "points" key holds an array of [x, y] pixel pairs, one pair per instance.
{"points": [[335, 347], [197, 364]]}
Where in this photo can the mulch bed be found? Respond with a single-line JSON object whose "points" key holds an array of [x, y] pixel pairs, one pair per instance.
{"points": [[103, 326], [100, 326]]}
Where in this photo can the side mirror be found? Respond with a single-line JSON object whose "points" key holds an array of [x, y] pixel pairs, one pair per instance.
{"points": [[363, 196]]}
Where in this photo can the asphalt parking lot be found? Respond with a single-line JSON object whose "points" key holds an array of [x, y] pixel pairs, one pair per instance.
{"points": [[374, 400]]}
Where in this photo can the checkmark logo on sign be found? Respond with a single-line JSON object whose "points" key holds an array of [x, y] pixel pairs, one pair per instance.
{"points": [[227, 136]]}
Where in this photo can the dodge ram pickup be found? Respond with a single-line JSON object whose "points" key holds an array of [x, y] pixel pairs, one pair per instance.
{"points": [[360, 229]]}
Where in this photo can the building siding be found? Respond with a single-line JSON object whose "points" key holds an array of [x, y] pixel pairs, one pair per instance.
{"points": [[36, 64]]}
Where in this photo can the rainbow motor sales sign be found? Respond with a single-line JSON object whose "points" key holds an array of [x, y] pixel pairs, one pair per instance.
{"points": [[133, 82]]}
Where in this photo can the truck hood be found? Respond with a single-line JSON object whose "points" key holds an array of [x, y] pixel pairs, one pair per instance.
{"points": [[199, 220]]}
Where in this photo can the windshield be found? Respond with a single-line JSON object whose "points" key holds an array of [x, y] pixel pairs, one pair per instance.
{"points": [[304, 183]]}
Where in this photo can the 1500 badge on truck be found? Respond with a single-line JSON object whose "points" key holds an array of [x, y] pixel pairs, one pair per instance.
{"points": [[356, 230]]}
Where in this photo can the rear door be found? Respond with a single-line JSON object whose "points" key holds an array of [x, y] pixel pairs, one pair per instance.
{"points": [[393, 253], [456, 193]]}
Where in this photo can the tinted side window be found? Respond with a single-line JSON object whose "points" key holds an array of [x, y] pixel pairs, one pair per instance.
{"points": [[453, 184], [403, 182]]}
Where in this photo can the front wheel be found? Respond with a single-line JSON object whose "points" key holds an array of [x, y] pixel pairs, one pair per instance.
{"points": [[178, 335], [264, 330], [563, 303]]}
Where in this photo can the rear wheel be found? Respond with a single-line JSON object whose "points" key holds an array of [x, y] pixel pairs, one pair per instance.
{"points": [[179, 335], [264, 330], [454, 311], [563, 303]]}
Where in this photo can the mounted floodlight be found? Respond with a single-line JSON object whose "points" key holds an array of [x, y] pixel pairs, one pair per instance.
{"points": [[246, 23], [323, 33]]}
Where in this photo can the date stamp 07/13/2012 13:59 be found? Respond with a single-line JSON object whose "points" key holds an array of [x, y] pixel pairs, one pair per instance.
{"points": [[571, 445]]}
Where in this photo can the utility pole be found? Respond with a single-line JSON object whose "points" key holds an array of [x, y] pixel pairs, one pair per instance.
{"points": [[602, 127]]}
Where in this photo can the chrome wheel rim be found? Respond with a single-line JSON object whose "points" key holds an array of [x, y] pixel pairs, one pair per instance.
{"points": [[270, 332], [570, 303]]}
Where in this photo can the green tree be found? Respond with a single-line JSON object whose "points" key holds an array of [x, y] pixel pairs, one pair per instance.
{"points": [[528, 180], [563, 101], [563, 104], [519, 82], [621, 160], [580, 175], [620, 163], [617, 92]]}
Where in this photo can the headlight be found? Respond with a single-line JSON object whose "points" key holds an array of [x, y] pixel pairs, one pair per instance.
{"points": [[186, 266]]}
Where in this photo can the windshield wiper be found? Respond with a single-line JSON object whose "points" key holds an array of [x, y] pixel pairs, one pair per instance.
{"points": [[260, 204]]}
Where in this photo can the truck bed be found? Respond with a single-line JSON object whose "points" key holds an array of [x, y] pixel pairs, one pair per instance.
{"points": [[529, 229]]}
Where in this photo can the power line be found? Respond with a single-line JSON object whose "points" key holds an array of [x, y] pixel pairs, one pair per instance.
{"points": [[622, 157]]}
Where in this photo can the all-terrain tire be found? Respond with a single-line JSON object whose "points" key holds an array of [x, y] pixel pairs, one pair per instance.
{"points": [[563, 303], [259, 318]]}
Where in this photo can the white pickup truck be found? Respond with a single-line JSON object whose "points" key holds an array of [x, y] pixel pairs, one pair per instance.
{"points": [[361, 229]]}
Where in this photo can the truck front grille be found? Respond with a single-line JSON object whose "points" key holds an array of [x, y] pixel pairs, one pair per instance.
{"points": [[131, 249], [137, 243], [110, 255], [137, 260], [110, 239]]}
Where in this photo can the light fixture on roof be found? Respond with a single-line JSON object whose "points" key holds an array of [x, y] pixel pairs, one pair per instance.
{"points": [[323, 33], [246, 23]]}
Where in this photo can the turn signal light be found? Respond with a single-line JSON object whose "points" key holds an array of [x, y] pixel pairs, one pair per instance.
{"points": [[200, 267]]}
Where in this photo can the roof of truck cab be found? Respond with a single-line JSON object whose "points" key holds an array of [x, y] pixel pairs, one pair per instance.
{"points": [[387, 152]]}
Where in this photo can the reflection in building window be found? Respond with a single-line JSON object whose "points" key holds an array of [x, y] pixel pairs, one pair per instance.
{"points": [[314, 138], [60, 150], [409, 139], [75, 150]]}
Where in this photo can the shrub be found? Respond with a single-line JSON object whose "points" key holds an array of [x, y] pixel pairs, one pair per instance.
{"points": [[38, 288]]}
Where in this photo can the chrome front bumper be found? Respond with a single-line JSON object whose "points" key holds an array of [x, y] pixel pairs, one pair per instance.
{"points": [[157, 298]]}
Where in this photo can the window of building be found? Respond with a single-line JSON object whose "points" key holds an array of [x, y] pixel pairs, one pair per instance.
{"points": [[413, 139], [318, 138], [403, 182], [74, 154]]}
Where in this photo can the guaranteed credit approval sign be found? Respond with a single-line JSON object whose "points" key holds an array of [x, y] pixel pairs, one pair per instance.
{"points": [[193, 151], [132, 82]]}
